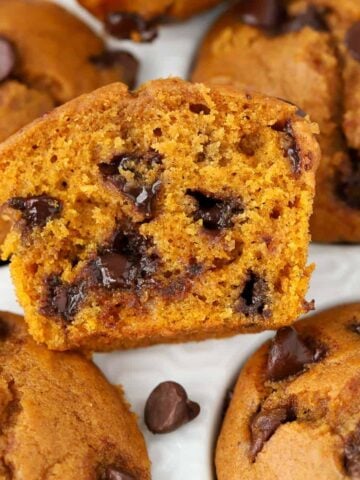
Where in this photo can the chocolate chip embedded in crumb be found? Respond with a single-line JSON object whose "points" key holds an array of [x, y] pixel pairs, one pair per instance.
{"points": [[264, 425], [312, 17], [267, 14], [289, 354], [168, 408], [112, 270], [114, 58], [352, 41], [199, 108], [354, 327], [216, 213], [62, 299], [125, 25], [114, 473], [290, 146], [37, 210], [253, 299], [7, 58], [352, 454]]}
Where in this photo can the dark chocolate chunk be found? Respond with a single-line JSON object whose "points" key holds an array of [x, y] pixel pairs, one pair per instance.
{"points": [[216, 213], [3, 263], [289, 354], [114, 473], [7, 58], [352, 454], [352, 40], [37, 210], [266, 14], [199, 108], [142, 195], [254, 297], [126, 263], [4, 329], [168, 408], [125, 25], [62, 299], [114, 58], [347, 184], [290, 146], [312, 17], [264, 425]]}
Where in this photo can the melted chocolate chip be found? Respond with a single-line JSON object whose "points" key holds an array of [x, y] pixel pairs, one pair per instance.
{"points": [[125, 25], [142, 195], [265, 424], [347, 184], [36, 211], [168, 408], [254, 297], [124, 264], [311, 17], [266, 14], [352, 41], [114, 473], [290, 146], [352, 454], [62, 299], [355, 327], [199, 108], [216, 213], [114, 58], [7, 58], [289, 354]]}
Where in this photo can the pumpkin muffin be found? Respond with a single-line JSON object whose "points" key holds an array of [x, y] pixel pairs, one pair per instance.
{"points": [[307, 52], [60, 418], [295, 411], [175, 212]]}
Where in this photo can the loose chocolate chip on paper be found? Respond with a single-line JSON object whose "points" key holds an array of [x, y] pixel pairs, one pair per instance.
{"points": [[114, 473], [125, 25], [168, 408], [7, 58], [264, 425], [352, 41], [289, 354], [267, 14], [37, 210]]}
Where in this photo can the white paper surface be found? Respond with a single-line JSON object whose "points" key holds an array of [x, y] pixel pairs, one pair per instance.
{"points": [[205, 369]]}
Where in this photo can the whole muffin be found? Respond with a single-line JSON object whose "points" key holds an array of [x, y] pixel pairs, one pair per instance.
{"points": [[174, 212], [295, 413], [47, 57], [306, 52], [60, 418]]}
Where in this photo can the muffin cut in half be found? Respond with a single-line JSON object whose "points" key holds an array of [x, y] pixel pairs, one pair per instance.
{"points": [[176, 212]]}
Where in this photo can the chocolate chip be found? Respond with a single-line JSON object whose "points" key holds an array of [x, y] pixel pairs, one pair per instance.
{"points": [[312, 17], [125, 25], [290, 146], [114, 58], [168, 408], [216, 213], [352, 454], [37, 210], [352, 40], [126, 263], [289, 354], [266, 14], [113, 473], [7, 58], [199, 108], [4, 329], [347, 184], [62, 299], [355, 327], [264, 425], [3, 263], [254, 297], [142, 195]]}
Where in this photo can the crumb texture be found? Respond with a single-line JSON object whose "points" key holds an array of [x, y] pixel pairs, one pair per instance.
{"points": [[175, 212]]}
